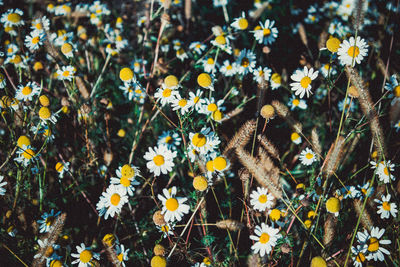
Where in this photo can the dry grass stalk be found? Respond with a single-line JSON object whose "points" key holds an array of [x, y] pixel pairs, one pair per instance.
{"points": [[382, 67], [48, 240], [241, 138], [315, 141], [368, 109], [303, 35], [231, 114], [333, 158], [258, 172], [329, 229], [229, 224], [284, 113], [188, 9], [358, 15], [269, 146], [350, 148], [244, 174], [111, 255], [366, 220], [254, 261], [394, 112], [322, 39], [267, 164]]}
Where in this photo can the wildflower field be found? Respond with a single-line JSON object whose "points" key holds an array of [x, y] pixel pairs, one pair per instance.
{"points": [[199, 133]]}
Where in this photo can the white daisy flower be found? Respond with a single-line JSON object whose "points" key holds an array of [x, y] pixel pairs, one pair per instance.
{"points": [[46, 115], [261, 74], [296, 138], [327, 69], [85, 256], [177, 44], [393, 86], [166, 229], [350, 192], [276, 81], [307, 157], [384, 171], [160, 160], [181, 54], [204, 141], [240, 23], [261, 200], [126, 178], [12, 17], [165, 95], [222, 41], [180, 104], [34, 40], [265, 238], [2, 190], [173, 208], [373, 243], [209, 106], [209, 65], [354, 49], [228, 69], [112, 200], [246, 62], [170, 139], [358, 255], [62, 168], [386, 208], [195, 100], [63, 10], [197, 47], [2, 81], [397, 126], [66, 73], [350, 105], [267, 33], [25, 93], [294, 102], [26, 154], [47, 221], [41, 24], [122, 254], [131, 89], [303, 81]]}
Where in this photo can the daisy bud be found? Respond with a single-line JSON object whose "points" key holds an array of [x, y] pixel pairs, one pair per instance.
{"points": [[318, 262], [159, 250], [23, 140], [200, 183], [158, 218], [333, 44], [267, 112], [333, 205], [126, 74], [158, 261], [171, 81], [109, 239], [44, 100]]}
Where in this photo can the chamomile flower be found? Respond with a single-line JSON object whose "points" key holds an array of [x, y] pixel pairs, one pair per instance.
{"points": [[85, 256], [68, 49], [2, 81], [345, 9], [180, 104], [66, 73], [267, 33], [126, 178], [337, 28], [112, 200], [350, 105], [296, 138], [209, 106], [63, 10], [50, 253], [246, 62], [240, 23], [393, 86], [209, 65], [303, 81], [12, 17], [47, 221], [2, 190], [131, 89], [352, 51], [46, 115], [122, 254], [26, 155], [358, 255], [397, 125], [165, 95], [350, 192], [173, 208], [27, 92], [41, 24], [373, 242], [166, 229], [276, 81], [181, 54], [384, 170], [312, 16], [307, 157], [62, 168], [160, 159], [228, 69], [294, 103], [34, 40], [170, 139], [386, 208], [177, 44], [261, 200], [197, 47], [222, 41], [261, 74], [327, 69], [265, 237], [206, 81], [195, 100]]}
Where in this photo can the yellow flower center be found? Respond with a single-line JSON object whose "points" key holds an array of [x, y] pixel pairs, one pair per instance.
{"points": [[245, 62], [353, 51], [26, 90], [333, 205], [204, 80], [165, 228], [168, 139], [207, 261], [220, 39], [210, 61], [49, 220], [212, 107], [55, 263], [167, 92], [305, 82], [44, 100], [296, 102], [229, 67], [275, 214], [126, 74], [210, 166], [17, 59], [44, 113], [243, 23], [386, 205], [115, 198], [386, 171], [65, 73], [396, 91], [266, 32], [125, 181], [28, 154], [217, 115], [127, 171], [219, 163], [276, 78], [59, 166], [85, 256], [158, 160], [14, 18], [38, 26], [66, 8], [333, 44], [199, 140], [360, 257], [196, 99], [171, 81], [23, 140], [120, 257], [35, 40], [200, 183], [264, 238], [66, 48], [182, 103], [373, 244], [309, 156], [49, 251], [171, 204], [263, 198]]}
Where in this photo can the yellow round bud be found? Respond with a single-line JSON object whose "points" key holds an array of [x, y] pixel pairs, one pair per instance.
{"points": [[318, 262], [126, 74], [267, 112], [171, 81], [23, 140], [200, 183], [159, 250], [44, 101], [158, 261], [333, 205], [333, 44]]}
